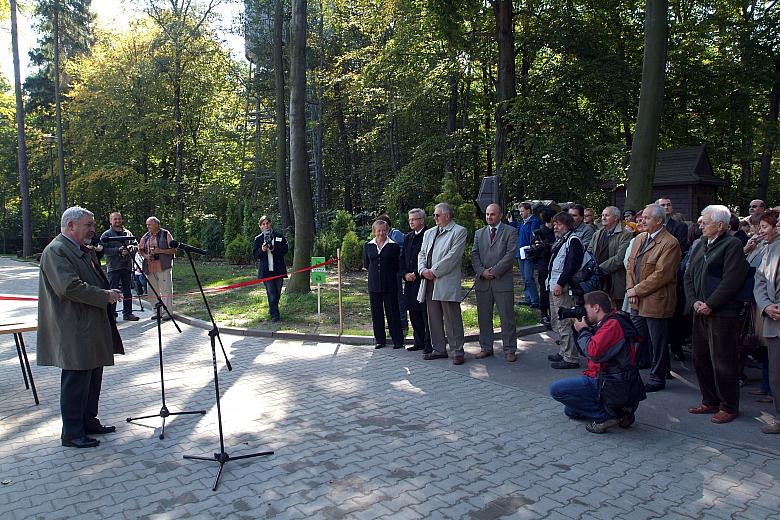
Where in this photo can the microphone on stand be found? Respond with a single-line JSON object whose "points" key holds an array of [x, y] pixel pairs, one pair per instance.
{"points": [[188, 248]]}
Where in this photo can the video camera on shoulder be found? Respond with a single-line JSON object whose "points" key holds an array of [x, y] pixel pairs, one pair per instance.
{"points": [[539, 248]]}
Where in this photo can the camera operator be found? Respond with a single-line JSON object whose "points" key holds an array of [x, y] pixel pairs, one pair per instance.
{"points": [[608, 392], [539, 253], [269, 249], [565, 261], [119, 264]]}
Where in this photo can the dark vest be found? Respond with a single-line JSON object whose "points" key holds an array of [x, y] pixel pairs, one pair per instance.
{"points": [[166, 261]]}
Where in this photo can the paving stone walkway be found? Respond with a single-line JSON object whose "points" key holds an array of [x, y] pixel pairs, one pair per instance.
{"points": [[358, 434]]}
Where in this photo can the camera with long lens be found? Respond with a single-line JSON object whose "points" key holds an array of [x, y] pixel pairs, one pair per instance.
{"points": [[576, 313]]}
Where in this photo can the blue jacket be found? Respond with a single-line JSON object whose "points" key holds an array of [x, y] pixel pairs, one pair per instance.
{"points": [[525, 232]]}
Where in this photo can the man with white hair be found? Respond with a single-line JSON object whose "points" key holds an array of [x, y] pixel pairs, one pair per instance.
{"points": [[76, 326], [439, 264], [715, 276], [651, 280], [158, 261]]}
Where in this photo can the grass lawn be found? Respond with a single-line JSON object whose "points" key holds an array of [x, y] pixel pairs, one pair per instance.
{"points": [[247, 306]]}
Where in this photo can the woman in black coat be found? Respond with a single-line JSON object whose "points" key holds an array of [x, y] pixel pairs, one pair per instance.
{"points": [[381, 256]]}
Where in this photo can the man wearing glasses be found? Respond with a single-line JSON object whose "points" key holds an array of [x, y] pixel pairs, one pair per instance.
{"points": [[439, 264], [418, 314]]}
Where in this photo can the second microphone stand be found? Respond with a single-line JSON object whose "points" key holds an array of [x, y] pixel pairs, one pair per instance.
{"points": [[164, 412], [222, 457]]}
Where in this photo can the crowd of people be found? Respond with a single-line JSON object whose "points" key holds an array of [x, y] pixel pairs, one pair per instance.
{"points": [[642, 282], [623, 295]]}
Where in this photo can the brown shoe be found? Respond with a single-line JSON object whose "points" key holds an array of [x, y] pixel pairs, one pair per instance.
{"points": [[511, 357], [771, 428], [434, 355], [484, 354], [702, 409], [723, 417], [457, 360]]}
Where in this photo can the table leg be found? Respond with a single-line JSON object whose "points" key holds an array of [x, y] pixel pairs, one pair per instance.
{"points": [[20, 343]]}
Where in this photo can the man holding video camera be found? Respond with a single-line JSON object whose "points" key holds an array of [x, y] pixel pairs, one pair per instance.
{"points": [[608, 392], [269, 249], [119, 263]]}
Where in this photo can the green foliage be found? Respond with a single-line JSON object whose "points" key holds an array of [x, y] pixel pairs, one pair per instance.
{"points": [[239, 251], [342, 224], [326, 243], [233, 220], [351, 252], [211, 236]]}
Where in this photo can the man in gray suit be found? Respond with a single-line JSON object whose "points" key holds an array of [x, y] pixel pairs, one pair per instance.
{"points": [[439, 264], [491, 256]]}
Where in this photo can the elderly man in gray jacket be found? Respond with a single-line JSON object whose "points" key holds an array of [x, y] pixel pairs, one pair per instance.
{"points": [[76, 327], [439, 265]]}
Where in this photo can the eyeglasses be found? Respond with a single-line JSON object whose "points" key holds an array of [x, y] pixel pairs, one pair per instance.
{"points": [[437, 215], [754, 207]]}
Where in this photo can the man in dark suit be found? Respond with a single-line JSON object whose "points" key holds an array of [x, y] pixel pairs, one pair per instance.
{"points": [[678, 229], [418, 313], [491, 256], [76, 327]]}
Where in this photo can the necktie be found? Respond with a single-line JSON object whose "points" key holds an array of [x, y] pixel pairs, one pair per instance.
{"points": [[97, 269], [492, 234], [429, 260]]}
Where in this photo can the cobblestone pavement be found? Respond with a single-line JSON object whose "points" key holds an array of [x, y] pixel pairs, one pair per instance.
{"points": [[358, 433]]}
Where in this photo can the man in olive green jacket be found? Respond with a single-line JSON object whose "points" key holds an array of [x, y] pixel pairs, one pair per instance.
{"points": [[76, 327], [715, 276]]}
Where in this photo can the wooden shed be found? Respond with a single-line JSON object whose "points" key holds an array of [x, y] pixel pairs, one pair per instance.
{"points": [[684, 175]]}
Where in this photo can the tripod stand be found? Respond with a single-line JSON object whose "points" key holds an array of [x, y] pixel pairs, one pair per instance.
{"points": [[164, 412], [222, 457]]}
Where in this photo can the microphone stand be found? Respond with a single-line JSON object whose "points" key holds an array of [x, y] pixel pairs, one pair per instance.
{"points": [[222, 457], [164, 412]]}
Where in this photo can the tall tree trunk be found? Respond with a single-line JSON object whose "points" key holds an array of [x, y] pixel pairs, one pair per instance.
{"points": [[641, 171], [452, 121], [24, 185], [506, 85], [283, 201], [341, 124], [300, 184], [486, 85], [58, 107], [770, 135], [319, 129], [178, 137]]}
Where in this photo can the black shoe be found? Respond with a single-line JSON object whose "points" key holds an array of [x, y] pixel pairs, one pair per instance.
{"points": [[414, 348], [555, 357], [131, 317], [564, 364], [99, 429], [396, 347], [627, 420], [378, 346], [534, 305], [654, 387], [435, 355], [669, 375], [276, 319], [81, 442]]}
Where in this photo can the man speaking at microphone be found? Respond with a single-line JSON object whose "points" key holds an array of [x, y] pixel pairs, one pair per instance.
{"points": [[76, 328], [155, 247], [119, 263]]}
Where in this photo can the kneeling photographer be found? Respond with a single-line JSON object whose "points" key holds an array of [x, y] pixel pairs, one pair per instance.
{"points": [[609, 391]]}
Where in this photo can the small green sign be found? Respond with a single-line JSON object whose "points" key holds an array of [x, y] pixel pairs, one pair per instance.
{"points": [[318, 273]]}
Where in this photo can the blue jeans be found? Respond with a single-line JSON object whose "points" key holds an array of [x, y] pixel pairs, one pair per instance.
{"points": [[273, 289], [117, 279], [530, 292], [580, 395]]}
